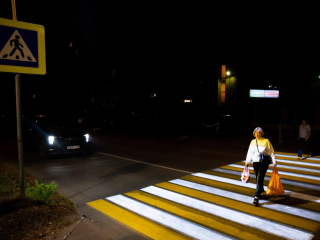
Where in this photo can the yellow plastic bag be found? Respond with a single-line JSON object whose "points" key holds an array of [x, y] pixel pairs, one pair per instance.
{"points": [[275, 187]]}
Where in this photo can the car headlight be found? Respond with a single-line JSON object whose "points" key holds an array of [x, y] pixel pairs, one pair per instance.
{"points": [[87, 137], [51, 140]]}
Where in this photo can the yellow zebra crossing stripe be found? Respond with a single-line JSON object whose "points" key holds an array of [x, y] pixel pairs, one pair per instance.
{"points": [[245, 207], [136, 222], [284, 176], [225, 226], [215, 204], [250, 191]]}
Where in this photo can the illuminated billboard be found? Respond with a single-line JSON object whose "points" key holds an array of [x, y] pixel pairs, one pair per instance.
{"points": [[258, 93]]}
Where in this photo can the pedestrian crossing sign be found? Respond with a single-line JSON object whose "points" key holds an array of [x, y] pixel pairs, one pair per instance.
{"points": [[22, 47]]}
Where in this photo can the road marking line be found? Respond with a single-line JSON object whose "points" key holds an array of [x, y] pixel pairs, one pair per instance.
{"points": [[221, 199], [267, 178], [310, 170], [132, 160], [299, 163], [232, 215], [281, 173], [296, 156], [179, 224], [269, 174], [312, 206], [246, 208], [299, 166], [138, 223], [208, 220], [295, 165], [253, 186], [243, 198]]}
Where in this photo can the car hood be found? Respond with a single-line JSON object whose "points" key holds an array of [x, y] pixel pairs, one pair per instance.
{"points": [[65, 133]]}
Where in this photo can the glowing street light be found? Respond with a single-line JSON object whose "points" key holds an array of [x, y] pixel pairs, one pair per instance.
{"points": [[228, 74]]}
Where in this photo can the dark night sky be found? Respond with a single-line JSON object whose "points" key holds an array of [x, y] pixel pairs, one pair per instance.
{"points": [[176, 36], [161, 45], [185, 42]]}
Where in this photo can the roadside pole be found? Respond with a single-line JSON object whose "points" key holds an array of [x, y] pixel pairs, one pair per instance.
{"points": [[29, 60], [18, 112], [279, 134], [19, 136]]}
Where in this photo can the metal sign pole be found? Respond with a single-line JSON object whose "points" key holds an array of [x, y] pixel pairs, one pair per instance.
{"points": [[18, 111], [280, 134], [19, 136]]}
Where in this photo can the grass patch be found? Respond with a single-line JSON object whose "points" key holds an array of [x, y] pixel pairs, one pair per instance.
{"points": [[38, 215], [42, 192]]}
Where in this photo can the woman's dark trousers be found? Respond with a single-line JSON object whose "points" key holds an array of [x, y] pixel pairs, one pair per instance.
{"points": [[260, 170], [304, 146]]}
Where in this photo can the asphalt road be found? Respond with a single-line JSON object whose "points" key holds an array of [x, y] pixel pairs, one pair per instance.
{"points": [[123, 161]]}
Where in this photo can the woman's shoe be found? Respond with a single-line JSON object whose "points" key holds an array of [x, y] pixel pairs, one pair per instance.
{"points": [[299, 158], [256, 201]]}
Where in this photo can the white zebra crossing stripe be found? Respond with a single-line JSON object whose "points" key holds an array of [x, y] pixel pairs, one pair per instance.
{"points": [[253, 186], [282, 172], [298, 163], [283, 181], [295, 157], [303, 196], [243, 198], [297, 168], [179, 224], [277, 229]]}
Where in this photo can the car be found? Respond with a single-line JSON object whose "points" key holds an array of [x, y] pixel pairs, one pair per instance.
{"points": [[218, 125], [54, 136]]}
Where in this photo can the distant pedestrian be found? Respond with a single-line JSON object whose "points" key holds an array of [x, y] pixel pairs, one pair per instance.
{"points": [[304, 139], [258, 148]]}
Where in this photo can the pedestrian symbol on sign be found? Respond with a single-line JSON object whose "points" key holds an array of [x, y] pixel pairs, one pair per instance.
{"points": [[15, 43]]}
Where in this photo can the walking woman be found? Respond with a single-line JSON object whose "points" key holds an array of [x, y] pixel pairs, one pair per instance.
{"points": [[261, 153], [304, 138]]}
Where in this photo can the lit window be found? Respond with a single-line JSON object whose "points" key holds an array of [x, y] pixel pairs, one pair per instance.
{"points": [[223, 92], [223, 97]]}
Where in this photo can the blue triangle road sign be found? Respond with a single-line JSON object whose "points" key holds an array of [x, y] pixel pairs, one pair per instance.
{"points": [[22, 47]]}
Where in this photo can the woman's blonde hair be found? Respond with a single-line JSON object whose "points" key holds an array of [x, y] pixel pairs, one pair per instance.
{"points": [[259, 129]]}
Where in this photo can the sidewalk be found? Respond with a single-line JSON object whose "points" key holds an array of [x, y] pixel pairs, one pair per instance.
{"points": [[100, 228], [80, 230]]}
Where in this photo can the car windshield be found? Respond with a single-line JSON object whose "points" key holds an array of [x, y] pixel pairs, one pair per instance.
{"points": [[50, 123]]}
